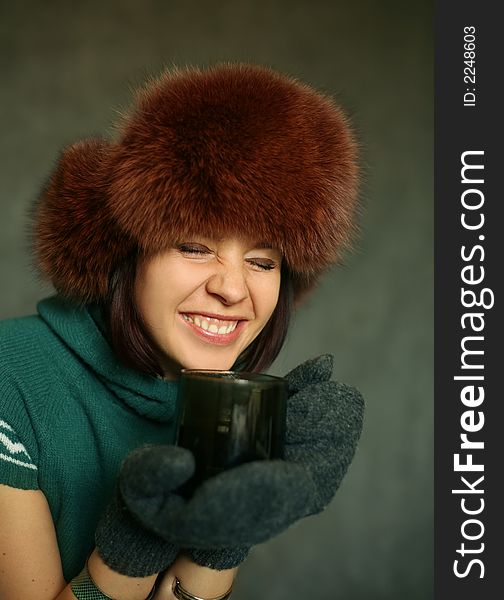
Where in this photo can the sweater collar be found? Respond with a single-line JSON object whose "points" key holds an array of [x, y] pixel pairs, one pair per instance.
{"points": [[81, 329]]}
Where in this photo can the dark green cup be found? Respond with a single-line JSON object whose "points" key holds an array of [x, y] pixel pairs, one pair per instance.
{"points": [[228, 418]]}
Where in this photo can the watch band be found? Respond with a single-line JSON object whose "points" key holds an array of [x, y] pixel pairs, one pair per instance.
{"points": [[84, 588]]}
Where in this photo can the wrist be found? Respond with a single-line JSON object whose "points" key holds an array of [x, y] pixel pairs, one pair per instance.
{"points": [[198, 581], [112, 584]]}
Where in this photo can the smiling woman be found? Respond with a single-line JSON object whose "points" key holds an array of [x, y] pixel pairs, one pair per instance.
{"points": [[132, 337], [184, 243], [206, 301]]}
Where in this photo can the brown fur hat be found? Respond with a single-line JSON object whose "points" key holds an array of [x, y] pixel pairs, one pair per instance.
{"points": [[233, 148]]}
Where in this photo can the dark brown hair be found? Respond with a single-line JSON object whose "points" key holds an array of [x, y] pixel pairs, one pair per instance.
{"points": [[136, 348]]}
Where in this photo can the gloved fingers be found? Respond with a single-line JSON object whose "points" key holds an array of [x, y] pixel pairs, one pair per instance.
{"points": [[314, 370], [323, 411], [244, 505], [327, 471], [155, 513], [155, 470], [327, 451]]}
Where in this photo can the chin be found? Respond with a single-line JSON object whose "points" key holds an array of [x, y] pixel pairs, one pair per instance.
{"points": [[211, 363]]}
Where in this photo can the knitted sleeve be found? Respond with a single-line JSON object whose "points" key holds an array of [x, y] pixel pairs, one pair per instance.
{"points": [[18, 444], [17, 468]]}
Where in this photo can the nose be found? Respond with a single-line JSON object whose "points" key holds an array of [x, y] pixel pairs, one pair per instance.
{"points": [[228, 282]]}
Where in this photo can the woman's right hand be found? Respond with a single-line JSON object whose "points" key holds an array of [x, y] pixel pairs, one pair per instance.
{"points": [[153, 474]]}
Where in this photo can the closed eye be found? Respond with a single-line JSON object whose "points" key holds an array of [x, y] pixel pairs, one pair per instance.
{"points": [[193, 249], [262, 264]]}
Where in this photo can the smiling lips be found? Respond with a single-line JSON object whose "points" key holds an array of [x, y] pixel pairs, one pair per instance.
{"points": [[212, 329]]}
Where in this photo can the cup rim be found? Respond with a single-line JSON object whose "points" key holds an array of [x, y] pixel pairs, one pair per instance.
{"points": [[234, 376]]}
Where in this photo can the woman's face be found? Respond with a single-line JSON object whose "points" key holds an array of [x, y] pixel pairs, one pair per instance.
{"points": [[206, 300]]}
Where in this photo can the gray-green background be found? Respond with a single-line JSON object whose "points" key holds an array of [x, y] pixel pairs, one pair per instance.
{"points": [[67, 67]]}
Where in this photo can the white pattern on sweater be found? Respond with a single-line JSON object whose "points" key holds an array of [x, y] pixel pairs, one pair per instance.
{"points": [[14, 447]]}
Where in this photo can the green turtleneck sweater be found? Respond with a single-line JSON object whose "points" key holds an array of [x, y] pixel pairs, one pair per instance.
{"points": [[69, 414]]}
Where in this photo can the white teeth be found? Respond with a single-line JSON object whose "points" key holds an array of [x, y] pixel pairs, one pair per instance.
{"points": [[212, 327]]}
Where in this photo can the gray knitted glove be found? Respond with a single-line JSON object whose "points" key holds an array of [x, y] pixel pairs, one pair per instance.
{"points": [[253, 502], [124, 544]]}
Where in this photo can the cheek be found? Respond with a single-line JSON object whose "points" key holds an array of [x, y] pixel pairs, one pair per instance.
{"points": [[267, 298], [153, 297]]}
